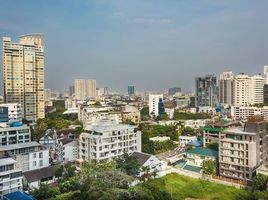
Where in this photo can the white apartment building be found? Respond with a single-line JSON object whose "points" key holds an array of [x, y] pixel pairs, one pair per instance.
{"points": [[15, 135], [184, 140], [29, 156], [84, 89], [196, 123], [23, 71], [107, 141], [242, 150], [226, 88], [70, 149], [248, 90], [10, 176], [14, 111], [244, 112], [154, 100]]}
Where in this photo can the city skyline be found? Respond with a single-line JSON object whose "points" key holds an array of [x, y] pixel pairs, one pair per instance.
{"points": [[120, 43]]}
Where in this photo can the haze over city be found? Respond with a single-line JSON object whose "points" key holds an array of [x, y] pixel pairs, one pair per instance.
{"points": [[151, 44]]}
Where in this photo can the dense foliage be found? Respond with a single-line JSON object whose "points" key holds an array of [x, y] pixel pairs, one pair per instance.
{"points": [[209, 167], [96, 180], [260, 182], [55, 120], [178, 115], [128, 164], [149, 131], [145, 114], [214, 146], [188, 131]]}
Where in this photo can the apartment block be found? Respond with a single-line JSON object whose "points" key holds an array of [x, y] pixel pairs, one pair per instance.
{"points": [[14, 111], [155, 104], [107, 141], [10, 176], [242, 150], [15, 135], [248, 90], [23, 74], [29, 156], [226, 88], [206, 91], [244, 112], [84, 89]]}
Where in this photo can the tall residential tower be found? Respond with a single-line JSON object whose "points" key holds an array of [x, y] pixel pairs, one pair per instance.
{"points": [[23, 74], [226, 88]]}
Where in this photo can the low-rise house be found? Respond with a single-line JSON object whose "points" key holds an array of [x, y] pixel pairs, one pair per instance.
{"points": [[196, 123], [196, 156], [147, 161], [159, 139], [131, 114], [46, 175], [184, 140]]}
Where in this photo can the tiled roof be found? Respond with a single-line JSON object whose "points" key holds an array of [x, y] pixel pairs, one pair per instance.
{"points": [[141, 157]]}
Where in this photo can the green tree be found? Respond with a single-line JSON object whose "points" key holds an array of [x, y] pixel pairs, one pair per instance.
{"points": [[128, 164], [45, 192], [188, 131], [260, 182], [214, 146], [145, 114], [209, 167]]}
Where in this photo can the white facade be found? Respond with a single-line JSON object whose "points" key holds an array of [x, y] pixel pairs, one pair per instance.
{"points": [[248, 90], [196, 123], [159, 139], [29, 156], [14, 111], [71, 151], [153, 103], [243, 112], [108, 141], [170, 112], [184, 140], [15, 135], [10, 176]]}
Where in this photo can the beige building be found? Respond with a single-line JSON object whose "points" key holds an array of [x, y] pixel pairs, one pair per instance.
{"points": [[131, 114], [242, 150], [23, 74], [248, 90], [84, 89]]}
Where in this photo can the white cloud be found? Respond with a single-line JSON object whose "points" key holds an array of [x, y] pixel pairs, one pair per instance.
{"points": [[152, 21]]}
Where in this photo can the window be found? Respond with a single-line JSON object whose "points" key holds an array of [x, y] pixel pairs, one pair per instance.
{"points": [[34, 163], [40, 163], [41, 155], [34, 155]]}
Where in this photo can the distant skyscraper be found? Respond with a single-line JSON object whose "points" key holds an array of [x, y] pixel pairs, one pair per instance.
{"points": [[226, 88], [155, 101], [130, 90], [71, 91], [172, 91], [84, 89], [23, 70], [248, 90], [206, 91], [265, 69]]}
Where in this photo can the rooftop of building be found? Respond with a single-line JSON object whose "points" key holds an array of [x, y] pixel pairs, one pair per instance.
{"points": [[20, 146], [141, 157], [7, 161], [18, 195], [203, 152], [38, 174], [105, 127]]}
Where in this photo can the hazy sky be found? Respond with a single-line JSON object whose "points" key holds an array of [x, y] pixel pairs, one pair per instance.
{"points": [[152, 44]]}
